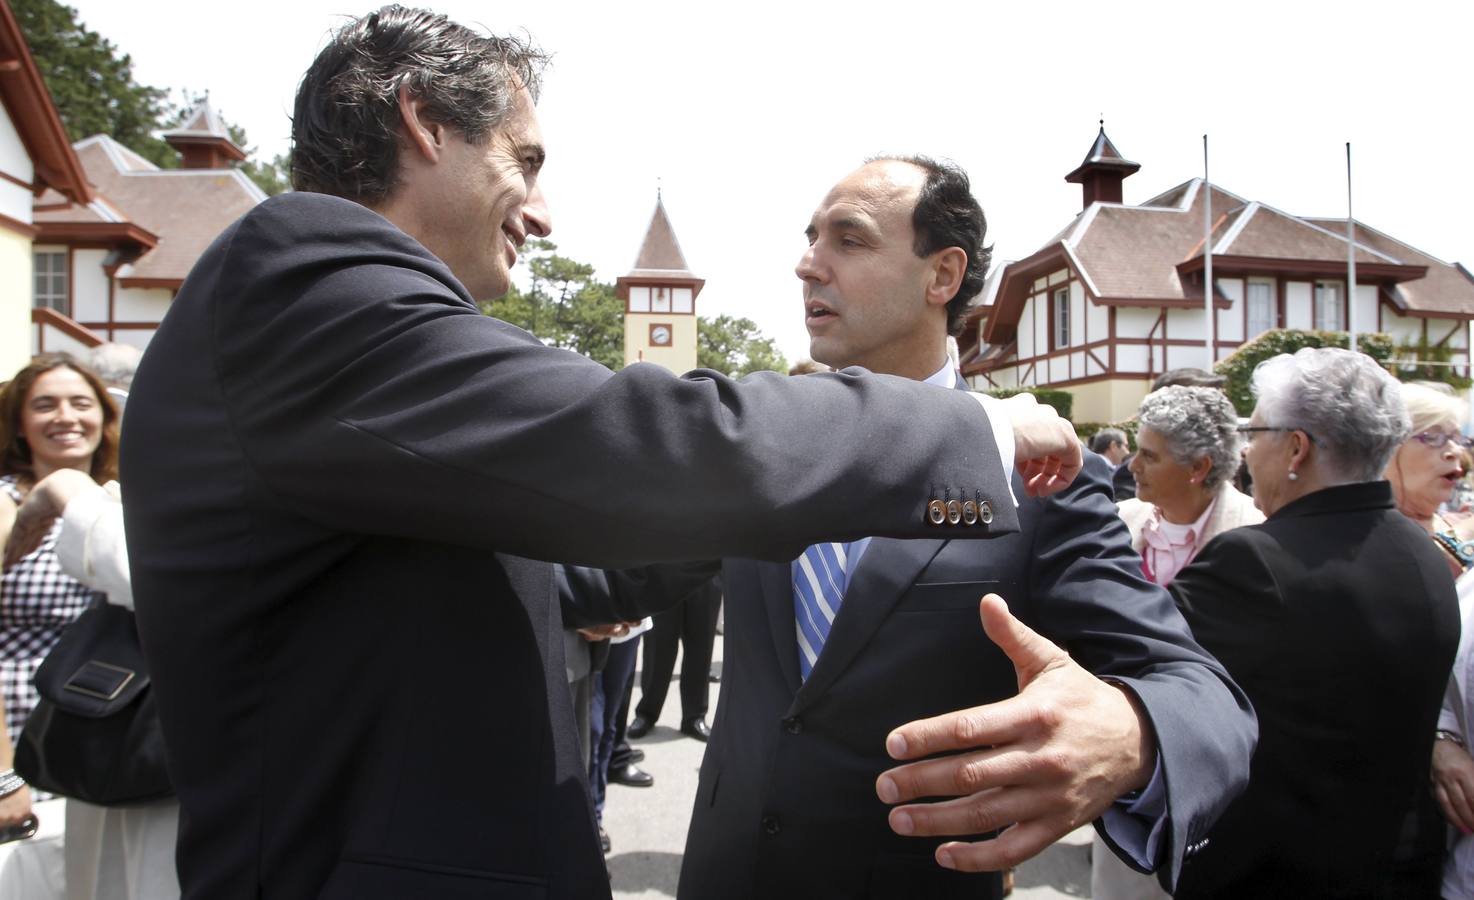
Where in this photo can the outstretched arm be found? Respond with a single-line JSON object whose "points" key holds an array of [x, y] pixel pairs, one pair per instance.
{"points": [[1038, 765]]}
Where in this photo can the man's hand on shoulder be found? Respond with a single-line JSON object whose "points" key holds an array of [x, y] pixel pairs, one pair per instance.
{"points": [[1046, 449], [1037, 765]]}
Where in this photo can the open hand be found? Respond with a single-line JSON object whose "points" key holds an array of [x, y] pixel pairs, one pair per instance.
{"points": [[1037, 765], [1453, 784], [1046, 450]]}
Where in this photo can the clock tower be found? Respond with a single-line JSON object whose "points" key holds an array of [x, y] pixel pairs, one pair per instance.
{"points": [[659, 296]]}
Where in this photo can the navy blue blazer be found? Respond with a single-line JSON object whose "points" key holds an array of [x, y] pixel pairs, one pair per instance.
{"points": [[786, 805]]}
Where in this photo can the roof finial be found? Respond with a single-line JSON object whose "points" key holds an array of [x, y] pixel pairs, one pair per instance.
{"points": [[657, 188], [1102, 121]]}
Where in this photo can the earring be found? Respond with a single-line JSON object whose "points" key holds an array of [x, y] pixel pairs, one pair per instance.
{"points": [[1293, 476]]}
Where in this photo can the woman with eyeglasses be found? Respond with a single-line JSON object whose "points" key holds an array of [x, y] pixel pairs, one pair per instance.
{"points": [[1424, 472], [1337, 617]]}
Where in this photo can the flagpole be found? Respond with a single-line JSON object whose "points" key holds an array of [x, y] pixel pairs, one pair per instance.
{"points": [[1208, 257], [1350, 258]]}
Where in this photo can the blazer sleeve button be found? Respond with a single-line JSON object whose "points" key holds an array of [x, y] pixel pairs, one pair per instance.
{"points": [[793, 725], [771, 825], [954, 512], [985, 513], [969, 512], [936, 512]]}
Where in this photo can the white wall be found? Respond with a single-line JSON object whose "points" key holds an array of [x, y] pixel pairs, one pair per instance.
{"points": [[1299, 311], [1185, 325], [1366, 308], [1026, 331], [89, 286], [14, 160], [1402, 328], [1131, 358], [1136, 322], [682, 300], [137, 337], [1230, 322], [1100, 320], [1181, 357], [1077, 314], [141, 304], [1041, 323]]}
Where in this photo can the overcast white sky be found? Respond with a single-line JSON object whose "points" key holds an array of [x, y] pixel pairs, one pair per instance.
{"points": [[747, 113]]}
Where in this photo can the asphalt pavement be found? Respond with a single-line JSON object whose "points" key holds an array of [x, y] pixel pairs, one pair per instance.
{"points": [[647, 826]]}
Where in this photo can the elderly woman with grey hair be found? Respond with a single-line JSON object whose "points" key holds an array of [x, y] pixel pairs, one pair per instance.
{"points": [[1187, 451], [1337, 617]]}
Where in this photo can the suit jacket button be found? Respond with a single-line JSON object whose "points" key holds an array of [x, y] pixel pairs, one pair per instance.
{"points": [[969, 512], [793, 725], [936, 512], [954, 512], [985, 512], [771, 825]]}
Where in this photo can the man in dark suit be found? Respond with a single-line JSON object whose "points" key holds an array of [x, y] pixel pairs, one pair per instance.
{"points": [[340, 474], [826, 655]]}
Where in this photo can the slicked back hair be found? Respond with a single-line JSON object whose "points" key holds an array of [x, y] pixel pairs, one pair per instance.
{"points": [[346, 134], [947, 215]]}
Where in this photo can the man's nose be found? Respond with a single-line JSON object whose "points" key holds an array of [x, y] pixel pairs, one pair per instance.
{"points": [[536, 214], [808, 268]]}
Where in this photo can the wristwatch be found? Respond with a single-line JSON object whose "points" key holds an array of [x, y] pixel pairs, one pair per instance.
{"points": [[1445, 735]]}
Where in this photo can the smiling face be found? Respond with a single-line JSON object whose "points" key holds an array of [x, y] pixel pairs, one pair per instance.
{"points": [[1423, 477], [869, 300], [61, 419], [477, 205]]}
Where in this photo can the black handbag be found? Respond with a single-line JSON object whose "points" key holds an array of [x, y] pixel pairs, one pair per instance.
{"points": [[95, 733]]}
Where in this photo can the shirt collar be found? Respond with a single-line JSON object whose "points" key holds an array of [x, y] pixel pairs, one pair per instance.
{"points": [[945, 377]]}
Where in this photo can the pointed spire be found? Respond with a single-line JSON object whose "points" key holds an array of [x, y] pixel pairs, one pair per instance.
{"points": [[1102, 171], [660, 253], [203, 140]]}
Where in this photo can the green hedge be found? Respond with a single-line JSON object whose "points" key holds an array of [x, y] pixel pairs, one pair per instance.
{"points": [[1238, 367], [1062, 401]]}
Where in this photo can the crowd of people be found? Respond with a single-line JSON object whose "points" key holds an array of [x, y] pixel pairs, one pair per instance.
{"points": [[380, 544]]}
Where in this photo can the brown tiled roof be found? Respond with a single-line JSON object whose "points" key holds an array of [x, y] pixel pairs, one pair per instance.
{"points": [[1276, 235], [1446, 290], [1133, 251], [185, 208], [660, 254]]}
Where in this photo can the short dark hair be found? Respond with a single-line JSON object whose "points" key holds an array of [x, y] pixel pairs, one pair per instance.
{"points": [[1102, 440], [346, 126], [947, 215], [1188, 377]]}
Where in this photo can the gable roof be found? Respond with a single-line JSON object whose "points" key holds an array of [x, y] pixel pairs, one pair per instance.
{"points": [[24, 94], [183, 209]]}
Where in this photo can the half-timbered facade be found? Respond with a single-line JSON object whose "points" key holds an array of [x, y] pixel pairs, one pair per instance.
{"points": [[114, 264], [1117, 297]]}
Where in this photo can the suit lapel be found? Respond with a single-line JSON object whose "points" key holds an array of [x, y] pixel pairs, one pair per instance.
{"points": [[776, 583], [884, 575]]}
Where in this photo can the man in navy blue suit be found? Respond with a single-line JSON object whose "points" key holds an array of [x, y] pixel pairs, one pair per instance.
{"points": [[827, 656]]}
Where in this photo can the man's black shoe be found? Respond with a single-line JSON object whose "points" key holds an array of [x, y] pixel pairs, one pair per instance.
{"points": [[639, 727], [631, 775], [637, 755], [696, 728], [603, 839]]}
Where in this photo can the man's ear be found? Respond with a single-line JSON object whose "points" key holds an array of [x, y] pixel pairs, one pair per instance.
{"points": [[425, 135], [948, 267]]}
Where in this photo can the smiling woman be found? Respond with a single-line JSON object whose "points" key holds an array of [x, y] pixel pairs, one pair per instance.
{"points": [[55, 414]]}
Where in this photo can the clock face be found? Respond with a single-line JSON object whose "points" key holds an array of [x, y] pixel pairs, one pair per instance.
{"points": [[660, 335]]}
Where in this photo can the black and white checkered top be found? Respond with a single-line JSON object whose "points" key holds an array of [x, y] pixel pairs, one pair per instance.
{"points": [[37, 600]]}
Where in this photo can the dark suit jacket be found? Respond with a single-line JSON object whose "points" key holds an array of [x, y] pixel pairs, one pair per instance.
{"points": [[786, 805], [1338, 617], [336, 470]]}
